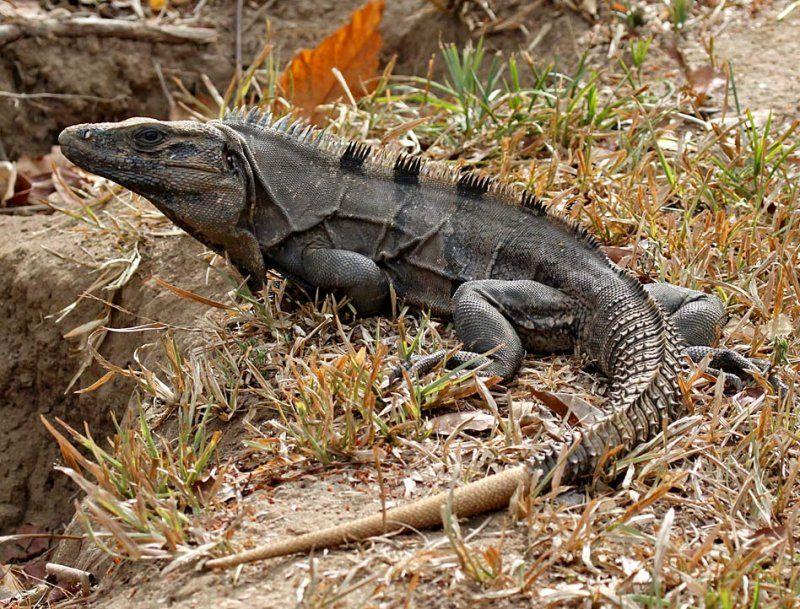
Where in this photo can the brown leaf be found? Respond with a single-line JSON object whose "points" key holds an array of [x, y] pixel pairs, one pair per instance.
{"points": [[33, 178], [577, 410], [475, 420], [619, 255], [8, 178], [23, 188], [702, 81], [353, 49], [29, 541]]}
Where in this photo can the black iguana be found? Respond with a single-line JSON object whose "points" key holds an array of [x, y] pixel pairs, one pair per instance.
{"points": [[348, 217]]}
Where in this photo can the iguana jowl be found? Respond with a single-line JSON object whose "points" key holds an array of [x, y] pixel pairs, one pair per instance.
{"points": [[346, 217]]}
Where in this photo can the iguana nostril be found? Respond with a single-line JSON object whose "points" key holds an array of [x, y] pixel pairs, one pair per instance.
{"points": [[87, 134]]}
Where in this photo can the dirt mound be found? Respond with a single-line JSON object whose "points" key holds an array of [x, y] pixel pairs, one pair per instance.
{"points": [[38, 364]]}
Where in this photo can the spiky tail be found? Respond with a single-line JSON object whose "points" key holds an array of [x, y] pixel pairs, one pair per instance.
{"points": [[650, 356]]}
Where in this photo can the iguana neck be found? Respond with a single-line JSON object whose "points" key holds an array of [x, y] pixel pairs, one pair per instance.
{"points": [[293, 184]]}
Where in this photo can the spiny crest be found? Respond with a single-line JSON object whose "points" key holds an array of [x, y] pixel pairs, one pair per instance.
{"points": [[532, 202], [354, 155], [475, 184], [407, 168], [255, 118]]}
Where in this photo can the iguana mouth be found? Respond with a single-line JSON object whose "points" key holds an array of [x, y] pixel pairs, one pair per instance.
{"points": [[190, 165]]}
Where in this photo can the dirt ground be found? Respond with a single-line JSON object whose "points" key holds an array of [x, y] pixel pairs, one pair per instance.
{"points": [[38, 363], [49, 84], [39, 275]]}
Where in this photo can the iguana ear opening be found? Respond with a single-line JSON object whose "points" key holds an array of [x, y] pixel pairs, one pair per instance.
{"points": [[236, 154], [263, 219]]}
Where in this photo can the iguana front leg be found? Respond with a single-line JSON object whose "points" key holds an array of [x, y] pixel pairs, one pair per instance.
{"points": [[347, 273], [245, 253]]}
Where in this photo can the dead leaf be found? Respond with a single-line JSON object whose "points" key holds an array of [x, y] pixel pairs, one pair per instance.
{"points": [[776, 532], [23, 189], [409, 486], [33, 178], [353, 49], [28, 542], [576, 410], [157, 5], [475, 420], [779, 327], [622, 256], [705, 80]]}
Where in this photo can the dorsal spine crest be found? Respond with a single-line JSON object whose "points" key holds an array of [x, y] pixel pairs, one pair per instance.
{"points": [[354, 155], [474, 184], [412, 168], [407, 168]]}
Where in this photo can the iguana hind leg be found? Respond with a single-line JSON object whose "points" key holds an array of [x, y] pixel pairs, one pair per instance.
{"points": [[698, 318], [543, 319]]}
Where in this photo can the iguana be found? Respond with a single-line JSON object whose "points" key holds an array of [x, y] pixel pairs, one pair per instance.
{"points": [[360, 221]]}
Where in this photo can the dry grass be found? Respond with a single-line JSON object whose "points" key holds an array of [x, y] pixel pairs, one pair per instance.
{"points": [[705, 515]]}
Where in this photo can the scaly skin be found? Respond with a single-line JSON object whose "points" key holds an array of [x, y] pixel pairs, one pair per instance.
{"points": [[344, 217]]}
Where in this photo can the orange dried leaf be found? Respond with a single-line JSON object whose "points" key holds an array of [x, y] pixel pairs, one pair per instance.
{"points": [[353, 49]]}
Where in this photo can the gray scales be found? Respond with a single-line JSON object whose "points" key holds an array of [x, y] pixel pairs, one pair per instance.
{"points": [[346, 217]]}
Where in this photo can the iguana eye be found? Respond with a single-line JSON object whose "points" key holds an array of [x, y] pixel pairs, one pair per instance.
{"points": [[147, 137]]}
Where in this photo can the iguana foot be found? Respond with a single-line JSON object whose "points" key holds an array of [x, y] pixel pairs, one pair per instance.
{"points": [[420, 365], [738, 369]]}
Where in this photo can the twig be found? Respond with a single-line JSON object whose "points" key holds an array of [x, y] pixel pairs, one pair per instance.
{"points": [[45, 95], [256, 18], [22, 210], [239, 9], [785, 12], [164, 88], [70, 575], [105, 28]]}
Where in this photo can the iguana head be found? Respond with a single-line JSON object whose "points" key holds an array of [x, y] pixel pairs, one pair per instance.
{"points": [[195, 173]]}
